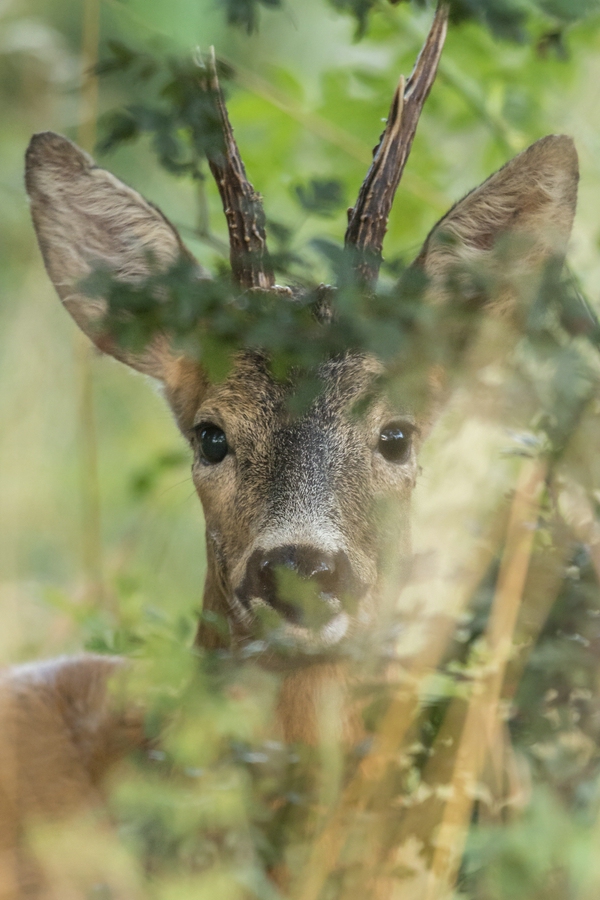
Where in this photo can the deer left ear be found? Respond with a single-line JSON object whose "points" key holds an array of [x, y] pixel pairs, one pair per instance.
{"points": [[531, 201], [85, 218]]}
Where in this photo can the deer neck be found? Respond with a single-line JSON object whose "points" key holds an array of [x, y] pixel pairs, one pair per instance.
{"points": [[314, 706], [212, 633]]}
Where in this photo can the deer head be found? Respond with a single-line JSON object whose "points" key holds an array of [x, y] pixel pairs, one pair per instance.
{"points": [[284, 494]]}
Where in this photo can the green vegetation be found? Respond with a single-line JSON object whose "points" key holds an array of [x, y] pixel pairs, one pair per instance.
{"points": [[101, 537]]}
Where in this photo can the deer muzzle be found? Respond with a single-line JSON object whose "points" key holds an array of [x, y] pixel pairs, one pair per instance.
{"points": [[305, 585]]}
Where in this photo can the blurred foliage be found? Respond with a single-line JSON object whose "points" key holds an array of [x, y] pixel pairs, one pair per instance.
{"points": [[511, 19], [320, 196], [220, 802], [187, 110], [505, 18], [245, 12]]}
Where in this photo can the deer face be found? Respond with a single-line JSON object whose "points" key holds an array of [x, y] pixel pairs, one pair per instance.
{"points": [[304, 513], [313, 495]]}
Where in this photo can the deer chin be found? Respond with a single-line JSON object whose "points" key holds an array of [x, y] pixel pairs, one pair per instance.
{"points": [[280, 641], [292, 637]]}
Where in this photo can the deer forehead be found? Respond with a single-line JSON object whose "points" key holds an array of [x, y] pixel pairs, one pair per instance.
{"points": [[313, 468], [285, 457], [252, 400]]}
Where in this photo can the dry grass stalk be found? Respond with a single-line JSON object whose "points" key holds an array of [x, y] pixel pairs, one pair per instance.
{"points": [[484, 720]]}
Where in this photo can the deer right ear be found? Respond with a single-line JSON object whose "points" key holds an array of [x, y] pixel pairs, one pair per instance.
{"points": [[85, 218], [531, 200]]}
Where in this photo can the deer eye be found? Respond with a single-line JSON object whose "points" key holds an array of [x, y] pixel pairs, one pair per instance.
{"points": [[212, 443], [395, 442]]}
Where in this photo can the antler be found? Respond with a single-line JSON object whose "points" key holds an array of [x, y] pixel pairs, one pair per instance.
{"points": [[242, 205], [367, 222]]}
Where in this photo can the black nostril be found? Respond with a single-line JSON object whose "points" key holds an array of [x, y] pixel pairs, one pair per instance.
{"points": [[324, 572], [330, 574]]}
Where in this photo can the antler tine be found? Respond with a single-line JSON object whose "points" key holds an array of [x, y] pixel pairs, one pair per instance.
{"points": [[367, 222], [242, 205]]}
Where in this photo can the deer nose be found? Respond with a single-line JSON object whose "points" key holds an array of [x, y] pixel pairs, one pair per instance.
{"points": [[323, 580]]}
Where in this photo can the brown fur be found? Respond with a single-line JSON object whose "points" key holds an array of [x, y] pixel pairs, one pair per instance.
{"points": [[61, 731], [116, 228], [311, 481], [529, 202]]}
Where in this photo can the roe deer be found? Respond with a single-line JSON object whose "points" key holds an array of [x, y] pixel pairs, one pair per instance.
{"points": [[302, 493]]}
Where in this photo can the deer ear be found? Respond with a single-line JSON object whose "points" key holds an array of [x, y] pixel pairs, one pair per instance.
{"points": [[85, 218], [530, 201]]}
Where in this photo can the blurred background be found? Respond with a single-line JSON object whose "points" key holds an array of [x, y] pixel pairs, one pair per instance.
{"points": [[97, 513], [101, 535]]}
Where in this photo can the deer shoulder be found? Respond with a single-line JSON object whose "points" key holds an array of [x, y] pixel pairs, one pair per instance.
{"points": [[63, 726]]}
